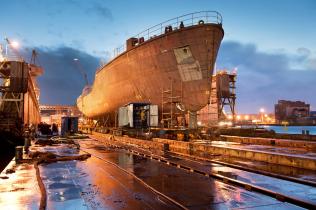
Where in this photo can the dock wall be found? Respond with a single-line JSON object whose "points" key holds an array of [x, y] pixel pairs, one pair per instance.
{"points": [[207, 151], [270, 141]]}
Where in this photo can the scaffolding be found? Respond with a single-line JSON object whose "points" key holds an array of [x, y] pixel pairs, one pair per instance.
{"points": [[212, 106], [222, 93], [226, 94], [172, 114]]}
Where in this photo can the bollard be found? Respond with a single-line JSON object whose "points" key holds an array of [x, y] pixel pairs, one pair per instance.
{"points": [[27, 144], [18, 154], [272, 142], [165, 147]]}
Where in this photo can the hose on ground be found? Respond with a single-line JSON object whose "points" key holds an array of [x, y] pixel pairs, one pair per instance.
{"points": [[43, 201], [48, 157]]}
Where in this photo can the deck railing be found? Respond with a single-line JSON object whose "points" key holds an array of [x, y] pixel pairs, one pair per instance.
{"points": [[187, 20]]}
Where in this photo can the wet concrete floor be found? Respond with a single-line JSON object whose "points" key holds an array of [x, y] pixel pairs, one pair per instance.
{"points": [[19, 189], [277, 185], [94, 184], [90, 184], [299, 173], [193, 190]]}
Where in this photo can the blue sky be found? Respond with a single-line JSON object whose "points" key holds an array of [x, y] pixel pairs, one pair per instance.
{"points": [[271, 42]]}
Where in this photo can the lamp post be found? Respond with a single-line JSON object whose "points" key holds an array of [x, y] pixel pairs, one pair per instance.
{"points": [[14, 45], [261, 114]]}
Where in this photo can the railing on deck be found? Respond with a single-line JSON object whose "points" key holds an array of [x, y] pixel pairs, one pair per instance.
{"points": [[187, 20]]}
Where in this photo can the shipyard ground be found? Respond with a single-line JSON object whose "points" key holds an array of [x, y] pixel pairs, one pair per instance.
{"points": [[124, 173]]}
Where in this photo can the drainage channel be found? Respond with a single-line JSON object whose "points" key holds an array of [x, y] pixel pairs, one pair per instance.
{"points": [[250, 187]]}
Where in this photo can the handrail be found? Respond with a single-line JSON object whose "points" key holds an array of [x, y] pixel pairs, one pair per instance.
{"points": [[187, 20]]}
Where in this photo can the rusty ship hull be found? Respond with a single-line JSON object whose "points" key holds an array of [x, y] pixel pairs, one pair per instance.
{"points": [[181, 60]]}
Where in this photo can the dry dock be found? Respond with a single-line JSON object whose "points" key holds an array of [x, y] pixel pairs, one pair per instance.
{"points": [[118, 176], [285, 156], [90, 184]]}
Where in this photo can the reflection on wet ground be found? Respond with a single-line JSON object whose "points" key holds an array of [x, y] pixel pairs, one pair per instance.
{"points": [[19, 190], [94, 184], [192, 190], [300, 173], [274, 184]]}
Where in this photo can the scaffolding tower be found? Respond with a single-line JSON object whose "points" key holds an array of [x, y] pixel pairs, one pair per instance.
{"points": [[226, 93], [171, 107]]}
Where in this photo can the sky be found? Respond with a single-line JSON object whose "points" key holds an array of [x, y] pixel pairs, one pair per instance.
{"points": [[271, 43]]}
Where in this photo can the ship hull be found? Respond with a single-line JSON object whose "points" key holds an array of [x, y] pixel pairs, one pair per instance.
{"points": [[181, 61]]}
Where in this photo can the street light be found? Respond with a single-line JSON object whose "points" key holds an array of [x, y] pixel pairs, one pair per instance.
{"points": [[14, 44], [261, 114]]}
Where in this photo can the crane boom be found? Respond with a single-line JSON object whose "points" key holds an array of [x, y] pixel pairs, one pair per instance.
{"points": [[76, 60]]}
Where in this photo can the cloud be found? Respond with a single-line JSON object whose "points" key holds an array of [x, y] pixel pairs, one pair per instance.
{"points": [[264, 78], [303, 51], [62, 81], [100, 10], [312, 63]]}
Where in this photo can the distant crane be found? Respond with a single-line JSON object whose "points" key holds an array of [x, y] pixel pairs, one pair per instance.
{"points": [[34, 57], [80, 68]]}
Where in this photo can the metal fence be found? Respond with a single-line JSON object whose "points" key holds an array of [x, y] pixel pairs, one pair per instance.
{"points": [[185, 20]]}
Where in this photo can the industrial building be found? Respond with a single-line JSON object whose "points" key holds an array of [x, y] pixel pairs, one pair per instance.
{"points": [[53, 113], [293, 112], [222, 95]]}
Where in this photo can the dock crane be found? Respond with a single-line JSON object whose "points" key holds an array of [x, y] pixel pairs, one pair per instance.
{"points": [[80, 68]]}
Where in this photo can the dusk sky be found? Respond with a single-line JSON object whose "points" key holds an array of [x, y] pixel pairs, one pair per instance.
{"points": [[272, 43]]}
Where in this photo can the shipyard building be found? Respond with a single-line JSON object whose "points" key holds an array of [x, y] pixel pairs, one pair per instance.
{"points": [[53, 113], [293, 113]]}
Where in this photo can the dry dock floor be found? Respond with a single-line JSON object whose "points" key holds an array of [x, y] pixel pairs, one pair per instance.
{"points": [[98, 184]]}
